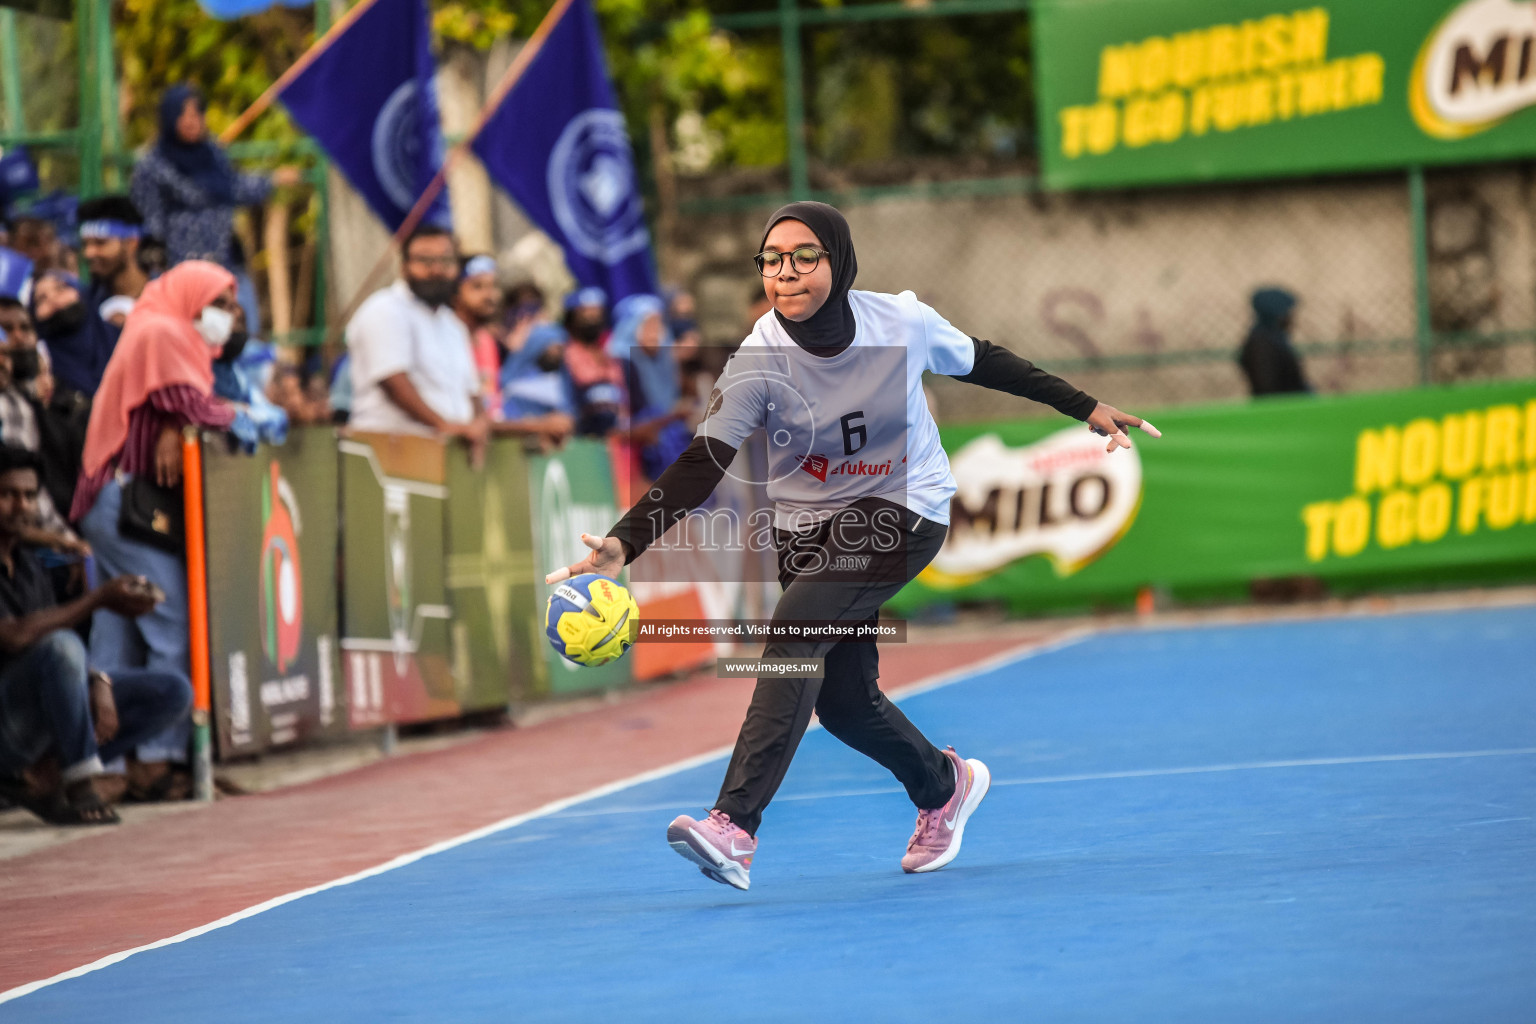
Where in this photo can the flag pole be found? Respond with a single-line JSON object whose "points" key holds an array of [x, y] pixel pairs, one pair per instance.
{"points": [[508, 80], [238, 126]]}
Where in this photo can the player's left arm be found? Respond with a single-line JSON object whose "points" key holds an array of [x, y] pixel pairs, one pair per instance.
{"points": [[1001, 370], [975, 361]]}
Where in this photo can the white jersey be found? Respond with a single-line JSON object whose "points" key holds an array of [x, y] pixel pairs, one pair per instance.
{"points": [[851, 426]]}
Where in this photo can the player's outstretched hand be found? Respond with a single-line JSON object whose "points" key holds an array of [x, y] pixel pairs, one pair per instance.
{"points": [[606, 559], [1107, 421]]}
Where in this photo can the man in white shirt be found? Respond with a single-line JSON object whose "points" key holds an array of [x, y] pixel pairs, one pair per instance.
{"points": [[412, 367]]}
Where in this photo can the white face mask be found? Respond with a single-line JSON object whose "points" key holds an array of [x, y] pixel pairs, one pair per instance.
{"points": [[214, 325]]}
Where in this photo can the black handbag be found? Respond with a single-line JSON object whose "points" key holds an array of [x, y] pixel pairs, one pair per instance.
{"points": [[153, 515]]}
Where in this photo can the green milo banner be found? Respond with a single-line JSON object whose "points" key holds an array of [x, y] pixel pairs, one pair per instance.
{"points": [[1158, 91], [271, 535], [1393, 489], [571, 492]]}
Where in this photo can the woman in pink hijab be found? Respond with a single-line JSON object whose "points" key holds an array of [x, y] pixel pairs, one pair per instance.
{"points": [[159, 380]]}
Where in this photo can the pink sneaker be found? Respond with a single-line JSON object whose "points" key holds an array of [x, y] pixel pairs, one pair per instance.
{"points": [[937, 839], [722, 851]]}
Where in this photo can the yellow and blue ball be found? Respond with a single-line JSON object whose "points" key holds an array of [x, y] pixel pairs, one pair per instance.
{"points": [[591, 619]]}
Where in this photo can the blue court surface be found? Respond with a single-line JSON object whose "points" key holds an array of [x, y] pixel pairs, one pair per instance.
{"points": [[1310, 821]]}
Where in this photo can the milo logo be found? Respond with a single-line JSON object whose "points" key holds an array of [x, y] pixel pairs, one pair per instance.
{"points": [[1476, 68], [1064, 497]]}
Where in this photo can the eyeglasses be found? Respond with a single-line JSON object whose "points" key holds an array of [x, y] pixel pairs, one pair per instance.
{"points": [[805, 258]]}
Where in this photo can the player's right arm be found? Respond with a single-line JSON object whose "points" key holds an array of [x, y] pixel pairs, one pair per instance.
{"points": [[733, 412]]}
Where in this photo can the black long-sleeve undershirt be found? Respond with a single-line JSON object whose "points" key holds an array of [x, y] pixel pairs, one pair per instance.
{"points": [[688, 482], [681, 488], [999, 369]]}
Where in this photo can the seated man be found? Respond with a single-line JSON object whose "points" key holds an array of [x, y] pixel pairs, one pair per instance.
{"points": [[49, 696]]}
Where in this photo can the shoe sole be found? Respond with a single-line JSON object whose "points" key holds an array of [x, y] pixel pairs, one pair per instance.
{"points": [[715, 865], [982, 783]]}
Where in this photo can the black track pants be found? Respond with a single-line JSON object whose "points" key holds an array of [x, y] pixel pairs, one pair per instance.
{"points": [[826, 577]]}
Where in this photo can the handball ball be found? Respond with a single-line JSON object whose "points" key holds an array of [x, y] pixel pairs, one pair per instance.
{"points": [[591, 619]]}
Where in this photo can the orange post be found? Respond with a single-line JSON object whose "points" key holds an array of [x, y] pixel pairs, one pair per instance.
{"points": [[197, 614]]}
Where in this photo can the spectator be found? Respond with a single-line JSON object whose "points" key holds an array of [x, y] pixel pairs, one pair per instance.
{"points": [[657, 408], [160, 379], [188, 191], [15, 275], [412, 370], [1268, 359], [110, 230], [53, 706], [597, 379], [236, 384], [340, 390], [476, 303], [682, 322], [30, 406], [37, 239], [523, 310], [300, 402], [79, 342], [22, 420], [536, 399]]}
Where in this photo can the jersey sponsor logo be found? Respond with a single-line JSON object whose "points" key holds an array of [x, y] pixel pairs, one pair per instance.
{"points": [[816, 465], [859, 467], [1063, 497], [716, 399], [1476, 68]]}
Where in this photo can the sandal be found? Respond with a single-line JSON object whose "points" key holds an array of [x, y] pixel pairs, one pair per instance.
{"points": [[171, 784], [79, 804], [75, 804]]}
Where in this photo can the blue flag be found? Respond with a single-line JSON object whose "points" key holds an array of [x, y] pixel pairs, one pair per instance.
{"points": [[369, 101], [558, 145]]}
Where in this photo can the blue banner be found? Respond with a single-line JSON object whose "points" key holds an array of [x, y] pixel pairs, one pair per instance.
{"points": [[558, 145], [369, 101]]}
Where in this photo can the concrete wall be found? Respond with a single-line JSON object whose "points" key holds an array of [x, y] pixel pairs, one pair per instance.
{"points": [[1168, 273]]}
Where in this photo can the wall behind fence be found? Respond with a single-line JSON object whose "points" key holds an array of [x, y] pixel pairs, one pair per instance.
{"points": [[1143, 296]]}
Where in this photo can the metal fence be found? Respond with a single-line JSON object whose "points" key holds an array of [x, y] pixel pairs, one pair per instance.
{"points": [[1417, 277], [286, 242], [1422, 276]]}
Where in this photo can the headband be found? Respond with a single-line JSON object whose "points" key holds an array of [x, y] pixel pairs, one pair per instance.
{"points": [[477, 265], [107, 228]]}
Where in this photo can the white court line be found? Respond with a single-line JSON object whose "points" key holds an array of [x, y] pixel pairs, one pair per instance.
{"points": [[1139, 773], [1248, 766], [1017, 653]]}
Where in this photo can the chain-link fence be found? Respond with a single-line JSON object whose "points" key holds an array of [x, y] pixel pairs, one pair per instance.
{"points": [[1144, 297]]}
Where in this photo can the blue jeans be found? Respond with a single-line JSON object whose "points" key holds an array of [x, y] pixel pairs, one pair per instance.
{"points": [[158, 641], [45, 704]]}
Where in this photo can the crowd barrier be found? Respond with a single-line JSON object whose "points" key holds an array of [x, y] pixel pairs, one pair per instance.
{"points": [[1426, 487], [359, 580]]}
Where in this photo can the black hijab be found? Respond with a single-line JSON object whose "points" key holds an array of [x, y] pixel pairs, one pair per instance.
{"points": [[830, 329]]}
